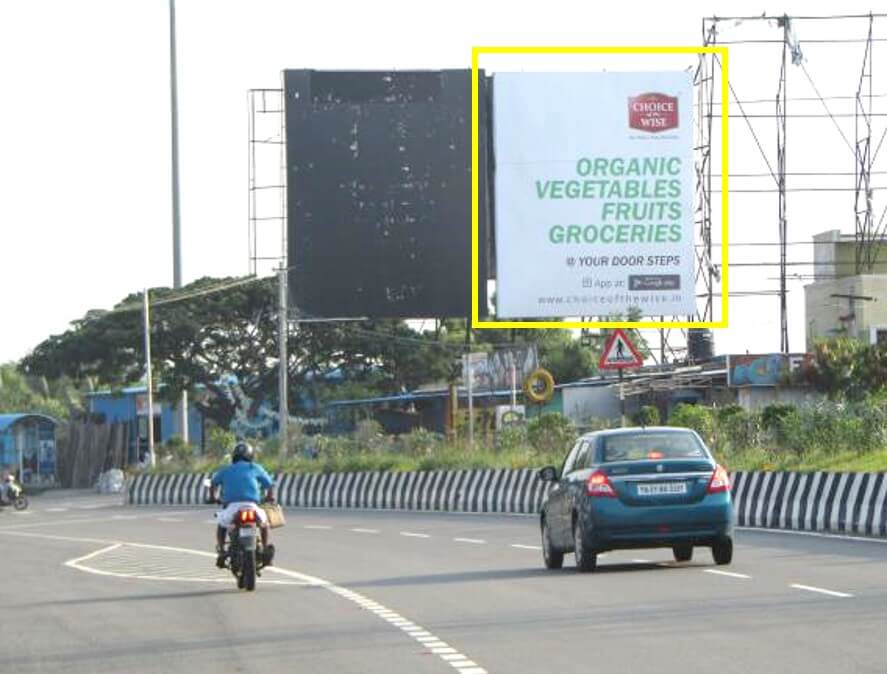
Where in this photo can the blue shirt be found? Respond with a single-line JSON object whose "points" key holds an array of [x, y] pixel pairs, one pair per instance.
{"points": [[242, 481]]}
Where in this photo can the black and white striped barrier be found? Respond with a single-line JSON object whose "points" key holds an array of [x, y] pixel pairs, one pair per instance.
{"points": [[846, 503], [502, 491]]}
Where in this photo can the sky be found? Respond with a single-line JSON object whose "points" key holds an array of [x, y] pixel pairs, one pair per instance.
{"points": [[85, 197]]}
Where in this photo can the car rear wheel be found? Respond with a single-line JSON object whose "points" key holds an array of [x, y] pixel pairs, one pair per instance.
{"points": [[722, 551], [554, 559], [586, 559], [682, 553]]}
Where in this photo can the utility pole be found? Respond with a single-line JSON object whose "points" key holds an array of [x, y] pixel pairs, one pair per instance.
{"points": [[176, 218], [149, 380], [282, 334]]}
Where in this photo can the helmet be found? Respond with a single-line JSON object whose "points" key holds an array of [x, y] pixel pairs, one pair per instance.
{"points": [[242, 452]]}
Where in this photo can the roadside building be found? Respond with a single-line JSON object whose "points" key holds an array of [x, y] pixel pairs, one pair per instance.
{"points": [[129, 406], [28, 447], [846, 299]]}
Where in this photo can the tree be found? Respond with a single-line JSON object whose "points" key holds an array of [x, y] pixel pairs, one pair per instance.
{"points": [[845, 368], [17, 395], [201, 334]]}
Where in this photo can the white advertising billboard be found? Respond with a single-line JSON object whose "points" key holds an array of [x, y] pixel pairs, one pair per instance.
{"points": [[594, 194]]}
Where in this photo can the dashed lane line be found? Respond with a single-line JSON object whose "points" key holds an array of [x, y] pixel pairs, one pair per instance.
{"points": [[411, 534], [469, 540], [526, 547], [820, 590], [317, 526], [365, 531], [730, 574]]}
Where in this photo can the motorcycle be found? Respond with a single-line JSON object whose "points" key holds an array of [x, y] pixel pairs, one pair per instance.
{"points": [[244, 554], [15, 495]]}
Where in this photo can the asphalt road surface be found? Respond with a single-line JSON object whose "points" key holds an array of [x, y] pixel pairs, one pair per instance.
{"points": [[89, 585]]}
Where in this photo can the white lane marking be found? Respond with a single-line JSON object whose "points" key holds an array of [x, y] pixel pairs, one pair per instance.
{"points": [[459, 664], [55, 510], [365, 531], [354, 597], [821, 590], [414, 535], [815, 534], [526, 547], [170, 519], [469, 540], [445, 651], [437, 644], [22, 512], [731, 574], [123, 517], [317, 526]]}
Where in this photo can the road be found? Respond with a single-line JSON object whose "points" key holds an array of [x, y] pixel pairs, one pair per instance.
{"points": [[93, 586]]}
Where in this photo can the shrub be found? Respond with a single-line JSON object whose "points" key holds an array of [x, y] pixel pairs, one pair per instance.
{"points": [[551, 432], [697, 417], [648, 415], [219, 442]]}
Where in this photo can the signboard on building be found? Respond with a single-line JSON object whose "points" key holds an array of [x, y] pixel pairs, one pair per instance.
{"points": [[769, 369], [594, 194]]}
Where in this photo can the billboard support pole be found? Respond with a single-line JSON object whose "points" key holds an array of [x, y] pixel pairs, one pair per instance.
{"points": [[621, 401], [146, 316], [470, 371], [513, 384], [282, 335]]}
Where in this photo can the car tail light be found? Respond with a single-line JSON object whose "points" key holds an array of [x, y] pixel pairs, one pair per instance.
{"points": [[599, 485], [247, 516], [720, 481]]}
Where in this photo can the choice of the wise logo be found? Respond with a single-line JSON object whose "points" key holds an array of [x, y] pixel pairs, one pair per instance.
{"points": [[653, 112]]}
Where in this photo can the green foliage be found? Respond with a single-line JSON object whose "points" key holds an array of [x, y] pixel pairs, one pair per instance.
{"points": [[697, 417], [177, 451], [551, 433], [219, 442], [648, 415], [17, 394], [845, 368]]}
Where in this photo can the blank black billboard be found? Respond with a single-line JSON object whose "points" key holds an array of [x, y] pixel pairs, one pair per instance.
{"points": [[379, 192]]}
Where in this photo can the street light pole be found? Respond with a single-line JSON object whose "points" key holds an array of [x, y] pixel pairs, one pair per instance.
{"points": [[176, 217], [282, 332], [149, 382]]}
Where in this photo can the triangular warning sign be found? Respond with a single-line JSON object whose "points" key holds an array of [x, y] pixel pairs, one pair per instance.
{"points": [[619, 352]]}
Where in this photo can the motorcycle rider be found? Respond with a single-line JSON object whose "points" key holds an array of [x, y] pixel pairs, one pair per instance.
{"points": [[242, 482]]}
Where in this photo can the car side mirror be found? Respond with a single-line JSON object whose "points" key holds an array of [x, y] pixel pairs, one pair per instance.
{"points": [[548, 474]]}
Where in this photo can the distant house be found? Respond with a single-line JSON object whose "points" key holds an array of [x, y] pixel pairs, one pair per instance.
{"points": [[27, 447], [130, 406]]}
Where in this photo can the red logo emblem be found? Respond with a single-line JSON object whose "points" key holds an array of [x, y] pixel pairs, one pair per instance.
{"points": [[653, 112]]}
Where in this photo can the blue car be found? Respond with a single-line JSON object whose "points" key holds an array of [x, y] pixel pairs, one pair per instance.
{"points": [[653, 487]]}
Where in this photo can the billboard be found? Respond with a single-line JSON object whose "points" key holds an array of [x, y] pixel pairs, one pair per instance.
{"points": [[492, 371], [379, 192], [594, 184]]}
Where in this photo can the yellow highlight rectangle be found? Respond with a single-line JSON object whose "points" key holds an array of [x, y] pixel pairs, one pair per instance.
{"points": [[475, 315]]}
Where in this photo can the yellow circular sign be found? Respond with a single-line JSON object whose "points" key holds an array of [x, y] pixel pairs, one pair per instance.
{"points": [[539, 386]]}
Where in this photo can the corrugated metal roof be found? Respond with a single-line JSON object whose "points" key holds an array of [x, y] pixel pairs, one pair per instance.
{"points": [[7, 420]]}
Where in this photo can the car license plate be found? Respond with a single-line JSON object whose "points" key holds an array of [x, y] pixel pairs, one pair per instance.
{"points": [[660, 488], [247, 532]]}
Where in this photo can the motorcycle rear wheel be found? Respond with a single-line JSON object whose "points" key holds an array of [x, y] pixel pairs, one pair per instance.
{"points": [[248, 572], [20, 503]]}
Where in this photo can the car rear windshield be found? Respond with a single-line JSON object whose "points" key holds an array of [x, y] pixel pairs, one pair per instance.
{"points": [[651, 446]]}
